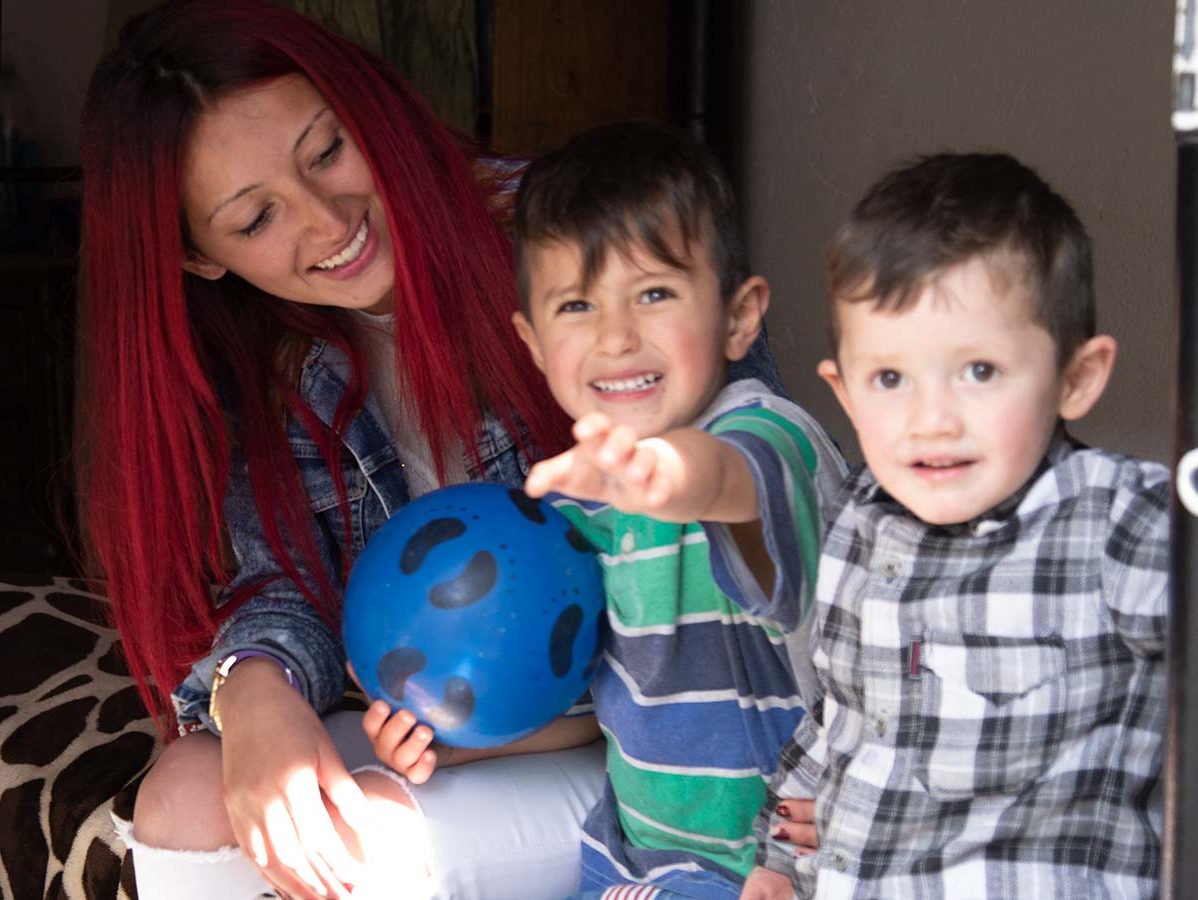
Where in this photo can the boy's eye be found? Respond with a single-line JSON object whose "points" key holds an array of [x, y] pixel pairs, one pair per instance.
{"points": [[980, 372], [329, 155], [260, 222], [887, 379], [574, 306], [656, 294]]}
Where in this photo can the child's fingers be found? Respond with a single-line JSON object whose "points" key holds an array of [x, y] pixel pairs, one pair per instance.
{"points": [[617, 448], [589, 426], [549, 474], [422, 770], [375, 718]]}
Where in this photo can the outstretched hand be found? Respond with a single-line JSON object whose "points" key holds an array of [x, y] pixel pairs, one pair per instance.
{"points": [[610, 465]]}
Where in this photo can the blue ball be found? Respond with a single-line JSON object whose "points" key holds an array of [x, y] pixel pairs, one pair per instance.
{"points": [[477, 608]]}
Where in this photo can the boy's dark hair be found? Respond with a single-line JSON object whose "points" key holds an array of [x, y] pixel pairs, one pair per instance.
{"points": [[631, 184], [941, 210]]}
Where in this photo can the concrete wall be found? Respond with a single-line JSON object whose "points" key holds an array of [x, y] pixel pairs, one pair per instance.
{"points": [[835, 92]]}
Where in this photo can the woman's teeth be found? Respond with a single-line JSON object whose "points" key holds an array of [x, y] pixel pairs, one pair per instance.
{"points": [[349, 254], [626, 385]]}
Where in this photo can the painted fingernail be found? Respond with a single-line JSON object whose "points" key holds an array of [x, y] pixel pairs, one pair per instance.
{"points": [[780, 832], [784, 810], [804, 851]]}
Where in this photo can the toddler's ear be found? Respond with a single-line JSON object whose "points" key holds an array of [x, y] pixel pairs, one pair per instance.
{"points": [[829, 371], [746, 309], [1085, 376], [529, 335]]}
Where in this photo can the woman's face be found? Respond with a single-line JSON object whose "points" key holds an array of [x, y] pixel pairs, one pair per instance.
{"points": [[275, 191]]}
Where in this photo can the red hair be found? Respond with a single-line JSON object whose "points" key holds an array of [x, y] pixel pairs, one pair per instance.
{"points": [[178, 373]]}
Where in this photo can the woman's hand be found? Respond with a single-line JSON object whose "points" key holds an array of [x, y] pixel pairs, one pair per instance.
{"points": [[799, 825], [766, 884], [399, 742], [278, 761]]}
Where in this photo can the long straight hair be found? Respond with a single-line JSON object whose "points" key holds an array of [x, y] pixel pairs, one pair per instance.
{"points": [[181, 379]]}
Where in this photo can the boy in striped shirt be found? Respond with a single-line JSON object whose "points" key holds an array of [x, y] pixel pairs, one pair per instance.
{"points": [[703, 497]]}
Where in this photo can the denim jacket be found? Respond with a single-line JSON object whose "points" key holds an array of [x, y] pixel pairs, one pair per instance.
{"points": [[278, 619]]}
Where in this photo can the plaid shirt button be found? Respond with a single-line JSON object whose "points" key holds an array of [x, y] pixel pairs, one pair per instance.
{"points": [[880, 723], [840, 860]]}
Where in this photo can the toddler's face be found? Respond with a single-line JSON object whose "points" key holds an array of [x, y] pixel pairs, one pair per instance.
{"points": [[645, 343], [954, 399]]}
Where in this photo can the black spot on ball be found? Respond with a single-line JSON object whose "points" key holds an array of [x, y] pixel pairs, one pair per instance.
{"points": [[529, 508], [472, 585], [578, 542], [561, 639], [457, 707], [396, 667], [430, 535]]}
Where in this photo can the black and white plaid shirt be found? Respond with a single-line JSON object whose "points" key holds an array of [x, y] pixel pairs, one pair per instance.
{"points": [[993, 693]]}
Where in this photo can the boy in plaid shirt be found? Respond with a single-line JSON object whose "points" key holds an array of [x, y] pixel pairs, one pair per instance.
{"points": [[991, 599]]}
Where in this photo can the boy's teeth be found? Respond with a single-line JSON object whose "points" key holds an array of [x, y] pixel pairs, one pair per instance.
{"points": [[349, 254], [639, 383]]}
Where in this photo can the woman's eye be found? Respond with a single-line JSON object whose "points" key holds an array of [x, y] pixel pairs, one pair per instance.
{"points": [[980, 372], [887, 379], [259, 222], [330, 153], [656, 294]]}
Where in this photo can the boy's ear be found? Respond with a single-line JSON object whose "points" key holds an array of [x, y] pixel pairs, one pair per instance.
{"points": [[529, 336], [746, 309], [829, 371], [1086, 375], [197, 263]]}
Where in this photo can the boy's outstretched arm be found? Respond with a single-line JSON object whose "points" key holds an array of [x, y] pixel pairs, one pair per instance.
{"points": [[685, 475]]}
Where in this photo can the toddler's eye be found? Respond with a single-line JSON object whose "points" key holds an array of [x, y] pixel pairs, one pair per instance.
{"points": [[980, 372], [887, 379], [656, 294], [574, 306]]}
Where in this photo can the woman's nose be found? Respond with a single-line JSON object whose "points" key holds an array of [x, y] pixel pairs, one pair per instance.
{"points": [[324, 219]]}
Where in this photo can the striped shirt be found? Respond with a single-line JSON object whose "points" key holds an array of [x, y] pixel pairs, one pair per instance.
{"points": [[994, 693], [695, 692]]}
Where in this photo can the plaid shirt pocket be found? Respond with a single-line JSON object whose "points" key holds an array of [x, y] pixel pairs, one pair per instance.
{"points": [[993, 711]]}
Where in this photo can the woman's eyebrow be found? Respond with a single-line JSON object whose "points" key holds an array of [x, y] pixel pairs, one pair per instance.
{"points": [[303, 134], [294, 149]]}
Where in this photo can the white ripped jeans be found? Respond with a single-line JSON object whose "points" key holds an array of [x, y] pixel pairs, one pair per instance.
{"points": [[499, 829]]}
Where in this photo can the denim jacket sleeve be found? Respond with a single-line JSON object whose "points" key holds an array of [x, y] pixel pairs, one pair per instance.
{"points": [[277, 619]]}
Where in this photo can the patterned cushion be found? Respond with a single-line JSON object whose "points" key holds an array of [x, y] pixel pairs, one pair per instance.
{"points": [[74, 743]]}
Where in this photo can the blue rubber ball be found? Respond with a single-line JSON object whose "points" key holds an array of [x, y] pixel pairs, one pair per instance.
{"points": [[478, 609]]}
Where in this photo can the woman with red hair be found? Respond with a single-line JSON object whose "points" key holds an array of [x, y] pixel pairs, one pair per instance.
{"points": [[296, 317]]}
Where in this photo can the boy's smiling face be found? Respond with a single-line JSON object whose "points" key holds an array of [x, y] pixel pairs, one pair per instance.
{"points": [[955, 399], [645, 343]]}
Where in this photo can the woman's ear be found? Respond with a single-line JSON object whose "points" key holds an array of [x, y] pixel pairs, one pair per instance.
{"points": [[197, 263], [1085, 376], [746, 309]]}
